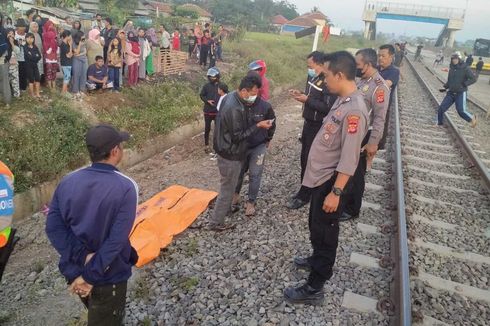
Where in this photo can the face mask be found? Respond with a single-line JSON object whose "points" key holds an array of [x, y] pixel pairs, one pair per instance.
{"points": [[312, 73], [359, 73], [251, 99]]}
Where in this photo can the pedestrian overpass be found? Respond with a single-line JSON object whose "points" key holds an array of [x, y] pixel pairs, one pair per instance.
{"points": [[452, 19]]}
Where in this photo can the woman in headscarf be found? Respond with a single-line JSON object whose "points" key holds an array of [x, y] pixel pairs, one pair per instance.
{"points": [[133, 53], [128, 26], [152, 60], [95, 46], [50, 53], [145, 52], [34, 29]]}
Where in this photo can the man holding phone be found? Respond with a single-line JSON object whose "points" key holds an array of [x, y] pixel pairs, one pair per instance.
{"points": [[258, 143], [233, 129], [317, 101]]}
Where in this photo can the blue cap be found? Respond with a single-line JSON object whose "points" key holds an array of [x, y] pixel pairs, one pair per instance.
{"points": [[213, 72]]}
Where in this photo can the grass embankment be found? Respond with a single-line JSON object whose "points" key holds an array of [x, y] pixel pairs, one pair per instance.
{"points": [[41, 140]]}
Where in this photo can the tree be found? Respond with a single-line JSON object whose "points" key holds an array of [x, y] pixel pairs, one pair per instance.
{"points": [[59, 3]]}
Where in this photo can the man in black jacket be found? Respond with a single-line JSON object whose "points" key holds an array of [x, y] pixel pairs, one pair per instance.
{"points": [[258, 143], [317, 101], [459, 78], [210, 97], [230, 143]]}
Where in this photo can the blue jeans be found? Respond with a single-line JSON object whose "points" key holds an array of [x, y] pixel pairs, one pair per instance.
{"points": [[219, 52], [254, 163], [460, 100], [114, 74]]}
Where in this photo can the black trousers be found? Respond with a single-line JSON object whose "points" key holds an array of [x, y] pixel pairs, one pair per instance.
{"points": [[324, 235], [106, 305], [310, 130], [207, 127], [22, 75], [353, 198], [203, 58]]}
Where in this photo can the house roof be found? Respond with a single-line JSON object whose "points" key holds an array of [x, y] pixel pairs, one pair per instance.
{"points": [[302, 21], [307, 20], [199, 10], [279, 20], [315, 15], [89, 5], [162, 7]]}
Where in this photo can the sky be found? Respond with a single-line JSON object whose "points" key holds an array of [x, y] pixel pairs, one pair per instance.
{"points": [[347, 14]]}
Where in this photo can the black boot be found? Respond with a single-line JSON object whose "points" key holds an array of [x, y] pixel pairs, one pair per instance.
{"points": [[296, 203], [302, 263], [346, 217], [304, 294]]}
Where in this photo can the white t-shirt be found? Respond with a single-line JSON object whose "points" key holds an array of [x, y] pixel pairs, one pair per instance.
{"points": [[219, 102]]}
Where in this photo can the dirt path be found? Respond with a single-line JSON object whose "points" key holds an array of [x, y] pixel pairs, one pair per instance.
{"points": [[33, 292]]}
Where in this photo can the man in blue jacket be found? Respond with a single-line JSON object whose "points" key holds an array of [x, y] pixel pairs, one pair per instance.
{"points": [[459, 78], [90, 218]]}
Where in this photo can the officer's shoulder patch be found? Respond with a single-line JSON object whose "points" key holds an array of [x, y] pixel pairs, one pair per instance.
{"points": [[319, 83], [353, 123], [380, 95]]}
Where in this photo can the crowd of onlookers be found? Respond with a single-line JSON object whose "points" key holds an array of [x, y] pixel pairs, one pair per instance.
{"points": [[35, 49]]}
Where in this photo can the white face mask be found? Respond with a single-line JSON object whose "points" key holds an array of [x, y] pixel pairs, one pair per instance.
{"points": [[251, 99]]}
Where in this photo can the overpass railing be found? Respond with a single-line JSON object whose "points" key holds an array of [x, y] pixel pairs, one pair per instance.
{"points": [[415, 10]]}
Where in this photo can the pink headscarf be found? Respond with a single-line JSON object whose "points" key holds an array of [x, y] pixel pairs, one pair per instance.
{"points": [[49, 40], [92, 35]]}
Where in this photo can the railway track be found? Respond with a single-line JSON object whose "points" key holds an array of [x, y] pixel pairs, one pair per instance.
{"points": [[447, 212]]}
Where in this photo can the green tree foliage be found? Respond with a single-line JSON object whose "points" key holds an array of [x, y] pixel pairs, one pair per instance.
{"points": [[59, 3], [246, 13], [118, 10], [185, 12]]}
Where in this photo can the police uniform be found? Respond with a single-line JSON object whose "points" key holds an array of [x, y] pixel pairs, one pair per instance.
{"points": [[315, 109], [376, 94], [336, 149]]}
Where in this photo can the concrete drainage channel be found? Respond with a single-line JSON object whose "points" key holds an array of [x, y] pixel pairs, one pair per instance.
{"points": [[448, 213]]}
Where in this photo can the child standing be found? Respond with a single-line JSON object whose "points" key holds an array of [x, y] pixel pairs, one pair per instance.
{"points": [[132, 58], [32, 55], [176, 40], [12, 56], [79, 64], [50, 45], [212, 51], [114, 62], [66, 59], [209, 95], [222, 92]]}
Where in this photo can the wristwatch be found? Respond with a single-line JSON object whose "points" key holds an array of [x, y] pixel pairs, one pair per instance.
{"points": [[337, 191]]}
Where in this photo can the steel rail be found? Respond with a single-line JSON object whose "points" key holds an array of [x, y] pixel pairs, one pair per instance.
{"points": [[478, 163], [403, 303]]}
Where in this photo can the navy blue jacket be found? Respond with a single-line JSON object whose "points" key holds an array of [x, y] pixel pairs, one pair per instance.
{"points": [[93, 211]]}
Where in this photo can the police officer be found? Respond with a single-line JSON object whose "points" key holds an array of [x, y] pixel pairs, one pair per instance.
{"points": [[317, 101], [7, 233], [377, 95], [332, 161]]}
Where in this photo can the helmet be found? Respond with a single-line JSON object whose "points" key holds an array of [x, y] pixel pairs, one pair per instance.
{"points": [[213, 72], [258, 65], [455, 55]]}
